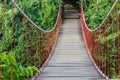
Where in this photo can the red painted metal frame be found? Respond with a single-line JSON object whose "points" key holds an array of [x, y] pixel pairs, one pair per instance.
{"points": [[44, 40], [58, 23], [87, 40], [100, 52]]}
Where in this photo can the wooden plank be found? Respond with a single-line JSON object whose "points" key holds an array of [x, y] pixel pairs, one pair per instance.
{"points": [[70, 52], [69, 78], [70, 60], [69, 65], [68, 43], [77, 44], [70, 47], [70, 71], [71, 39], [62, 62], [71, 57], [71, 74]]}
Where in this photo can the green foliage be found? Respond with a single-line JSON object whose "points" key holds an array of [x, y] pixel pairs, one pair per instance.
{"points": [[107, 38], [42, 12], [119, 6], [9, 65], [113, 36], [96, 11], [24, 52]]}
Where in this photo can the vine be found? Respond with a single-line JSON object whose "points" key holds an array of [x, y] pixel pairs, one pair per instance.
{"points": [[20, 59]]}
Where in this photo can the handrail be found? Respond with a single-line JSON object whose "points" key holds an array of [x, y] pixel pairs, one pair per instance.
{"points": [[38, 27], [83, 23], [103, 43], [24, 41], [105, 17]]}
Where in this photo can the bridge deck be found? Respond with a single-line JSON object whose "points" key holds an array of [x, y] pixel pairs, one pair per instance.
{"points": [[70, 60]]}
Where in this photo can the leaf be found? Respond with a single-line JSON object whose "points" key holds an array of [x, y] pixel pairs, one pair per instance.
{"points": [[119, 6], [1, 76], [22, 72], [2, 66], [12, 57], [26, 72], [4, 57], [30, 71], [35, 69], [16, 75]]}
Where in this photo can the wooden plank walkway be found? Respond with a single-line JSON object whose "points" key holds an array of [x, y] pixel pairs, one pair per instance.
{"points": [[70, 60]]}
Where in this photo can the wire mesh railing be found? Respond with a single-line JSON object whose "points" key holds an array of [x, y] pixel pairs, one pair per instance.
{"points": [[22, 43], [103, 43]]}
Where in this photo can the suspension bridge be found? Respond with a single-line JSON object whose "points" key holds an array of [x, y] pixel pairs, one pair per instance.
{"points": [[71, 51], [70, 60]]}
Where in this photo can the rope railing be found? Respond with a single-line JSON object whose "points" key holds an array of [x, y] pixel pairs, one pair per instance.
{"points": [[21, 38], [103, 43]]}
